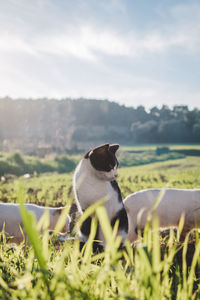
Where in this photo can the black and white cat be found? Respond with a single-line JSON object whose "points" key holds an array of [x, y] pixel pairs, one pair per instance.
{"points": [[95, 180]]}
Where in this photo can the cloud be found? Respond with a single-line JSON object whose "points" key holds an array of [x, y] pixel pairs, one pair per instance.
{"points": [[84, 43], [58, 49], [11, 44], [88, 41]]}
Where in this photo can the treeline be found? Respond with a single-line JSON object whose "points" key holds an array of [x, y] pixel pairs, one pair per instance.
{"points": [[41, 126]]}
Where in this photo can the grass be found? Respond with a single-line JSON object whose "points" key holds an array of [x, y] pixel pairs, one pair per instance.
{"points": [[18, 164], [49, 189], [157, 268], [55, 189], [181, 173], [143, 147], [145, 272]]}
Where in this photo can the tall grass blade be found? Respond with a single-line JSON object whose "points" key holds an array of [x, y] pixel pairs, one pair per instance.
{"points": [[29, 222], [62, 219]]}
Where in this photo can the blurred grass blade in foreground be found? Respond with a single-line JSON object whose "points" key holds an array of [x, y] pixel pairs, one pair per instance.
{"points": [[29, 222]]}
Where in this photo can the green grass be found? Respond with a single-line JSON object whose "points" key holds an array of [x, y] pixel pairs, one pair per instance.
{"points": [[157, 268], [18, 164], [55, 189], [50, 189], [149, 271], [138, 158], [144, 147], [183, 173]]}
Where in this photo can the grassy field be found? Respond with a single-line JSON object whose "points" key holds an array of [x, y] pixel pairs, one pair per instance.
{"points": [[154, 146], [158, 268], [181, 173], [56, 189], [18, 164]]}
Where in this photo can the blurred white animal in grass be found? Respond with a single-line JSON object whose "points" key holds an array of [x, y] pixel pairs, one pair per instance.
{"points": [[11, 221], [173, 204]]}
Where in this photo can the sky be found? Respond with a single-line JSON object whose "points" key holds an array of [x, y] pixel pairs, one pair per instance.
{"points": [[133, 52]]}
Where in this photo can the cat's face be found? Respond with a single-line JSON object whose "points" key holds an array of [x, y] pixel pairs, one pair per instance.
{"points": [[104, 161]]}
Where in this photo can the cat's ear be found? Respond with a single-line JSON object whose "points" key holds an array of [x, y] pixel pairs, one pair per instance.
{"points": [[98, 150], [101, 149], [113, 148]]}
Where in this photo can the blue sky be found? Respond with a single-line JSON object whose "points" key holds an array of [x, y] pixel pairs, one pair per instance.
{"points": [[129, 51]]}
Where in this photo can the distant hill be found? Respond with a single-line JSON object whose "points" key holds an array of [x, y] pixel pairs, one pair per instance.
{"points": [[43, 125]]}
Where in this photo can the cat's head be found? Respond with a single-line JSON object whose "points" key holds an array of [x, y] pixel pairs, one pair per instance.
{"points": [[104, 161]]}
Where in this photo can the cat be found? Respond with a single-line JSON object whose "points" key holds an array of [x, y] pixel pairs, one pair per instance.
{"points": [[172, 205], [95, 180], [10, 219]]}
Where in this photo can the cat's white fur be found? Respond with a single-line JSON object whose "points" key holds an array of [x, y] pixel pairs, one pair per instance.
{"points": [[173, 204], [91, 186], [10, 219]]}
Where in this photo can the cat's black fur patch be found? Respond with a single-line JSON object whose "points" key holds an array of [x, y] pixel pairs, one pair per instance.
{"points": [[117, 189], [85, 230], [103, 157], [97, 248], [86, 226], [136, 230], [87, 154], [123, 220]]}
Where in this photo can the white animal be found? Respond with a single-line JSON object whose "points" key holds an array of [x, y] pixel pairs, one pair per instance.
{"points": [[95, 180], [10, 219], [173, 204]]}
